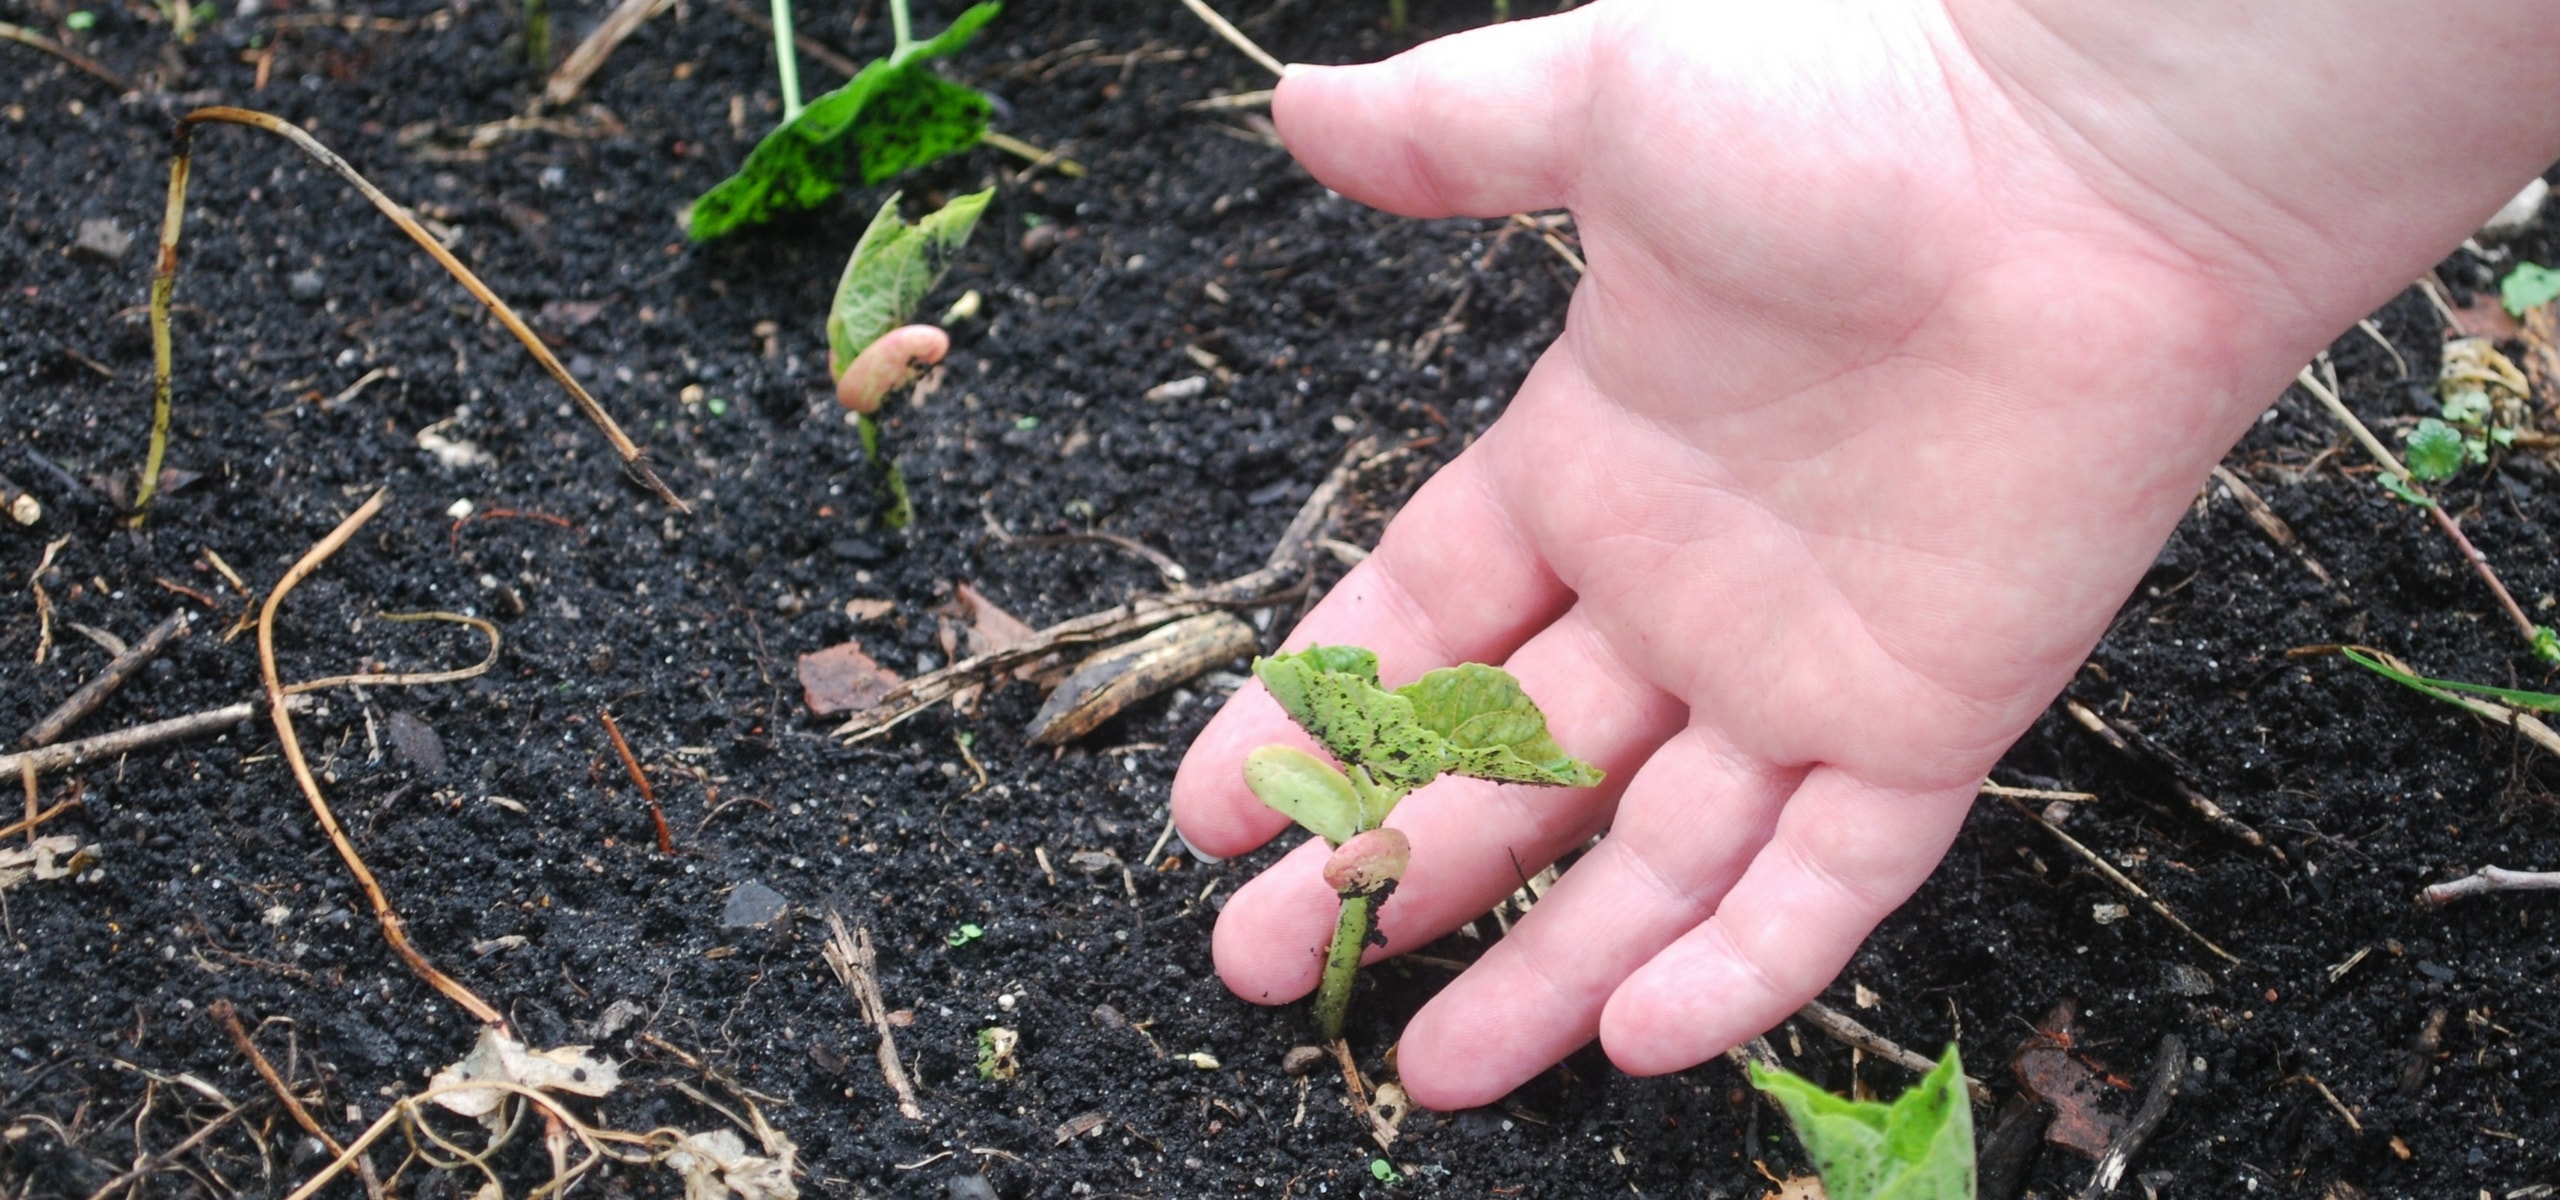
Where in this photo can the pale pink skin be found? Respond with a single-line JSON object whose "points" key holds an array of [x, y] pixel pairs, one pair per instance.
{"points": [[1909, 332], [888, 364]]}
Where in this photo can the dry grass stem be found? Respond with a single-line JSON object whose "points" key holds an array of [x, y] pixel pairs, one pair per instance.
{"points": [[93, 693], [1840, 1027], [856, 964], [2122, 881], [574, 71], [1235, 37], [394, 930]]}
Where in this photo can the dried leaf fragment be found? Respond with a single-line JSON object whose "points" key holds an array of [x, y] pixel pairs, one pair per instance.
{"points": [[1107, 682], [49, 858], [841, 678], [499, 1057], [715, 1164]]}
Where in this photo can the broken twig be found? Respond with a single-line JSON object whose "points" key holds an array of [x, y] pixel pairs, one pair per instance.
{"points": [[2123, 882], [573, 72], [2133, 745], [96, 691], [857, 965], [2490, 879], [1841, 1028], [2168, 1070]]}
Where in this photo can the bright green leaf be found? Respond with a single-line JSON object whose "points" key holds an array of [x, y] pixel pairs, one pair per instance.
{"points": [[2436, 450], [1384, 1171], [892, 115], [1471, 720], [1305, 789], [1495, 729], [80, 19], [963, 936], [1920, 1147], [2400, 487], [2543, 640], [2530, 285], [892, 268]]}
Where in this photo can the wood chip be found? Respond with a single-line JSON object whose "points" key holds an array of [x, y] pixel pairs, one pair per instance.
{"points": [[1108, 682]]}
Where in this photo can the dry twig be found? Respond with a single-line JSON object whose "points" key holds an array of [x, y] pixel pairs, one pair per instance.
{"points": [[138, 737], [2487, 880], [95, 692], [229, 1018], [1235, 37], [573, 72], [1282, 571], [30, 38], [1840, 1027], [857, 965], [2132, 745], [2168, 1070], [2122, 882]]}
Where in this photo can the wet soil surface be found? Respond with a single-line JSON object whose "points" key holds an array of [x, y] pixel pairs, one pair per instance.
{"points": [[2363, 1045]]}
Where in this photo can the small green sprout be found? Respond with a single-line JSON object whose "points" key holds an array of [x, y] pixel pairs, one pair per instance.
{"points": [[1384, 1172], [2546, 645], [80, 20], [995, 1054], [1920, 1147], [963, 936], [2436, 450], [2530, 286], [892, 115], [1471, 720], [870, 350]]}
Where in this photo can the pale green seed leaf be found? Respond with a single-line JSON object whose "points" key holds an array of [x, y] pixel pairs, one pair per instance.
{"points": [[1920, 1147], [892, 268], [2529, 286], [1305, 789]]}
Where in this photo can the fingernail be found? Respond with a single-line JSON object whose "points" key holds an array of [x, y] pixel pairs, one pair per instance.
{"points": [[1194, 851]]}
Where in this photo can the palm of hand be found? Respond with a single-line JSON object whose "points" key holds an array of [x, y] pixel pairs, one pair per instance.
{"points": [[1818, 500]]}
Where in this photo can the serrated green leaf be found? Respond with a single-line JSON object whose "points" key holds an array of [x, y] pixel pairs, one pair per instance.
{"points": [[1920, 1147], [1305, 789], [2435, 450], [2400, 487], [1494, 730], [2467, 407], [892, 268], [2530, 285], [1471, 720], [892, 115]]}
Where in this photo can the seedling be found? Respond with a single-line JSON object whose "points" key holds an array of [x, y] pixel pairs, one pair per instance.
{"points": [[870, 350], [963, 936], [893, 114], [2531, 285], [1471, 720], [1920, 1147]]}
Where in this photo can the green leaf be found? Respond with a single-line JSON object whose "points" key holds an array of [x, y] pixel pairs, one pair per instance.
{"points": [[892, 268], [2546, 643], [1495, 730], [79, 19], [2535, 701], [1305, 789], [892, 115], [1920, 1147], [2400, 487], [2435, 450], [963, 936], [1471, 720], [2467, 407], [1384, 1172], [2530, 285]]}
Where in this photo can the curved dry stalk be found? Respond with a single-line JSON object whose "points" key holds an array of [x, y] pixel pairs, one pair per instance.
{"points": [[165, 274], [658, 1143], [414, 678], [394, 930]]}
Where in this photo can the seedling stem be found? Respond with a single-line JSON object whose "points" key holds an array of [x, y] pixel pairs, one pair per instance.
{"points": [[786, 59]]}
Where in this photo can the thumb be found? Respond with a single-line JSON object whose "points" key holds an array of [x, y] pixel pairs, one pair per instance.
{"points": [[1479, 124]]}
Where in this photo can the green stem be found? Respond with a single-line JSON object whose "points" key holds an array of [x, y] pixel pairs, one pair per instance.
{"points": [[901, 29], [1342, 963], [786, 59]]}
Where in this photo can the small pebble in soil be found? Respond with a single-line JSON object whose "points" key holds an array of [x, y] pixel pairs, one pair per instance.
{"points": [[753, 906], [971, 1187], [1301, 1060], [304, 285], [102, 240]]}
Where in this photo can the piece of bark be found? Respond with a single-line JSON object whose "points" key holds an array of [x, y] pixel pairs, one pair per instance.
{"points": [[1105, 683], [2169, 1070], [2009, 1150]]}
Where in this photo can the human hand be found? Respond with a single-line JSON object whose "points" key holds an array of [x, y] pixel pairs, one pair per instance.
{"points": [[1902, 348]]}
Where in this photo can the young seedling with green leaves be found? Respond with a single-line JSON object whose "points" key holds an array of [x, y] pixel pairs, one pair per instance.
{"points": [[893, 114], [871, 350], [1920, 1147], [1471, 720]]}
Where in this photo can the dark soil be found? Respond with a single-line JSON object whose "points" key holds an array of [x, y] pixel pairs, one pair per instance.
{"points": [[510, 818]]}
